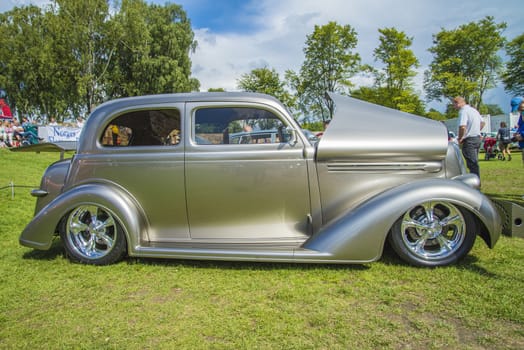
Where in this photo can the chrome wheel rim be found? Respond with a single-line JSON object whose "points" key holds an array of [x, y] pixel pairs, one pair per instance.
{"points": [[433, 230], [91, 231]]}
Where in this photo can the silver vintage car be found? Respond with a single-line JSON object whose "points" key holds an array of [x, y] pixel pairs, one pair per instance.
{"points": [[232, 176]]}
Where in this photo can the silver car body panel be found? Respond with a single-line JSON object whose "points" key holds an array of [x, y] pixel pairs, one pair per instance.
{"points": [[367, 133], [385, 146], [332, 201]]}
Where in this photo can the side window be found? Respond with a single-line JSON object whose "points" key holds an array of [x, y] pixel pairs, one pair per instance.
{"points": [[159, 127], [238, 125]]}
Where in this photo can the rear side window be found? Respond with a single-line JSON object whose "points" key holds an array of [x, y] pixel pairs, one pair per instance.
{"points": [[159, 127], [237, 125]]}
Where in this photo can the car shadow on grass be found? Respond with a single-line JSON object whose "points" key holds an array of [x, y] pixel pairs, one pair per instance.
{"points": [[242, 265], [57, 251], [389, 257], [52, 253], [469, 263]]}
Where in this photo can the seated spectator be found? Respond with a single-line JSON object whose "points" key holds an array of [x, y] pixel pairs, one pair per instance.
{"points": [[3, 135], [25, 132], [8, 132], [29, 127]]}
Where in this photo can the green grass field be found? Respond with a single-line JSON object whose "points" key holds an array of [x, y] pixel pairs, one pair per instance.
{"points": [[46, 302]]}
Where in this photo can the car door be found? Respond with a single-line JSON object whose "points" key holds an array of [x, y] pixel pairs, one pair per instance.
{"points": [[252, 191], [140, 150]]}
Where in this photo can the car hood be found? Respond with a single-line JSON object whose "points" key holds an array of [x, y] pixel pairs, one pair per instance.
{"points": [[366, 132]]}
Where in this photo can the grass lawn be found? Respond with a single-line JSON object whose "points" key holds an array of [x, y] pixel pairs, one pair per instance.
{"points": [[46, 302]]}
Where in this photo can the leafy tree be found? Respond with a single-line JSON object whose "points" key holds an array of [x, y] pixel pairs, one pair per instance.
{"points": [[73, 54], [435, 115], [313, 126], [86, 48], [216, 90], [328, 66], [393, 83], [25, 60], [368, 93], [131, 38], [153, 50], [168, 67], [398, 59], [491, 109], [267, 81], [465, 61], [409, 101], [513, 77]]}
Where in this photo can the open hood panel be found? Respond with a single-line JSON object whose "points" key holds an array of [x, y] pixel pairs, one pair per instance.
{"points": [[366, 132]]}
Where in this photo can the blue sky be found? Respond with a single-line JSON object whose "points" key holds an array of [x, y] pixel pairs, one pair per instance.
{"points": [[220, 16], [237, 36]]}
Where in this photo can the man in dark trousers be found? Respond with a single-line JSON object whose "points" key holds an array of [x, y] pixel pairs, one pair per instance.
{"points": [[470, 124]]}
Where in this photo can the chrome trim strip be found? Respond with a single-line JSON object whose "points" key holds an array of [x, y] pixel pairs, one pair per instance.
{"points": [[384, 167]]}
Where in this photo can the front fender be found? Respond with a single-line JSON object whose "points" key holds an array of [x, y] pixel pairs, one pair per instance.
{"points": [[361, 232], [39, 233]]}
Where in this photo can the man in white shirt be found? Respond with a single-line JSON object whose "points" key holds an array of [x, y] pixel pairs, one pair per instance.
{"points": [[470, 124]]}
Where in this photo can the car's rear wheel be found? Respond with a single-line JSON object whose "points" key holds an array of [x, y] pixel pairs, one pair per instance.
{"points": [[434, 233], [92, 235]]}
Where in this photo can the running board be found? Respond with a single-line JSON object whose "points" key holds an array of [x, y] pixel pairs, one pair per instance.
{"points": [[240, 253]]}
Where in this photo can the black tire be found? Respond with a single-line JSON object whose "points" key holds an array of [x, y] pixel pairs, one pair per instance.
{"points": [[433, 234], [92, 235]]}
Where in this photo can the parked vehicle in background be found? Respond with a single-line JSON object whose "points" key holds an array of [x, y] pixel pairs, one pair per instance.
{"points": [[187, 181], [452, 137]]}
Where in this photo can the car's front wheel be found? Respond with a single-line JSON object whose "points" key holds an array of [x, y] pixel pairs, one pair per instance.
{"points": [[434, 233], [91, 234]]}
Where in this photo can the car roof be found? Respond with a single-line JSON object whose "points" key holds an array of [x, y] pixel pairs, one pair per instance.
{"points": [[192, 97]]}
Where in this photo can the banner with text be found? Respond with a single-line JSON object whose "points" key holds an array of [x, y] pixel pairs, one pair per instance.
{"points": [[59, 133]]}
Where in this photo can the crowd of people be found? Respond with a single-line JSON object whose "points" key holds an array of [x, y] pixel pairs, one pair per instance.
{"points": [[15, 134]]}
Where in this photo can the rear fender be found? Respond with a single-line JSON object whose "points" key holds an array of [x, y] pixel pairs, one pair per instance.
{"points": [[39, 232], [361, 232]]}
